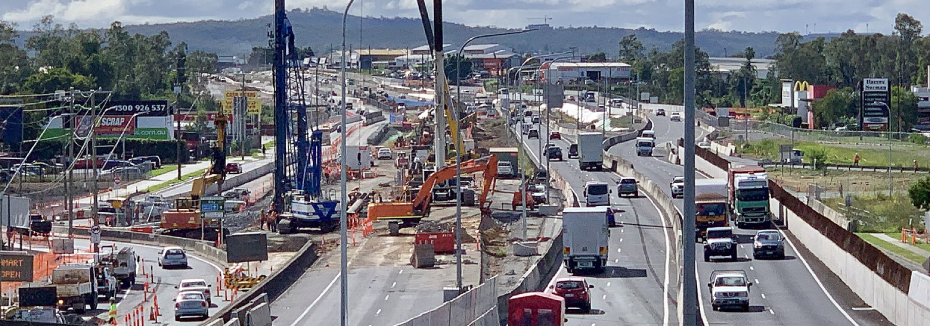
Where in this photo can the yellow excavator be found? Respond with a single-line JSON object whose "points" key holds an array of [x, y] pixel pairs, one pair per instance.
{"points": [[185, 220]]}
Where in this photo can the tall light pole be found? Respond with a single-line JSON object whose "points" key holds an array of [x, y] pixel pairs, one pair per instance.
{"points": [[523, 175], [458, 153], [343, 241], [689, 282]]}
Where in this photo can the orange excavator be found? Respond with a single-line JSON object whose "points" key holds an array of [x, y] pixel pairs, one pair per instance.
{"points": [[410, 213]]}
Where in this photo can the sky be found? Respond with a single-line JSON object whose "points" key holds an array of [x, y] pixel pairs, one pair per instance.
{"points": [[804, 16]]}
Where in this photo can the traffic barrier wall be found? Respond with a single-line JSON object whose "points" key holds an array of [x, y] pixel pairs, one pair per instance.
{"points": [[260, 315], [242, 178], [463, 310], [877, 279], [231, 322], [201, 248], [274, 285], [214, 323]]}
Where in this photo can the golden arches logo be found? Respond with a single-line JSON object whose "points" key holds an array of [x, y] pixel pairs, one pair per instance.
{"points": [[801, 86]]}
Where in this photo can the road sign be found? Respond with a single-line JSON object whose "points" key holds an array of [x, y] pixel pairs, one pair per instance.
{"points": [[63, 246], [254, 104], [15, 266], [95, 234], [116, 180], [212, 214], [212, 204]]}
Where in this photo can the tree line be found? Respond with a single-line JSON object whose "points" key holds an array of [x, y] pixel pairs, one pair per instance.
{"points": [[844, 61]]}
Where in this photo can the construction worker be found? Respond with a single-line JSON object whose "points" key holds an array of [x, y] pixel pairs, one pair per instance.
{"points": [[856, 160], [111, 316]]}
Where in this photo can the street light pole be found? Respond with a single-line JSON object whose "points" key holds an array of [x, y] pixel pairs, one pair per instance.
{"points": [[689, 282], [343, 240], [458, 153]]}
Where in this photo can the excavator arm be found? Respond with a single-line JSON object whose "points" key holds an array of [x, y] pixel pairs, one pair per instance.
{"points": [[422, 200], [217, 170]]}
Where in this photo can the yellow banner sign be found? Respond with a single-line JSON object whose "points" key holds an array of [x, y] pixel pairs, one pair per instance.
{"points": [[254, 103]]}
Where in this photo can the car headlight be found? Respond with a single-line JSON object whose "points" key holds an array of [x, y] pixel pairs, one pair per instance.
{"points": [[756, 245]]}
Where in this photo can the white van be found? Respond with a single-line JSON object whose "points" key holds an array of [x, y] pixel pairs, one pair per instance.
{"points": [[649, 134], [596, 194]]}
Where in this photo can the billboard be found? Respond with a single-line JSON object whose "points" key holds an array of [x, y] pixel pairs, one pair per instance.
{"points": [[875, 103], [146, 108], [15, 266], [243, 247], [115, 125], [787, 98], [254, 103], [41, 296]]}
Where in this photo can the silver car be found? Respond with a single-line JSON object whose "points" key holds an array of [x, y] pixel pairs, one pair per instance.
{"points": [[172, 256], [191, 303]]}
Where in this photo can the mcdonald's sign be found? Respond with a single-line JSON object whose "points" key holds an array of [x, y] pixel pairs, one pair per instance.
{"points": [[801, 86]]}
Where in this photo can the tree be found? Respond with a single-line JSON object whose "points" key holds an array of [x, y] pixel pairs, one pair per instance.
{"points": [[14, 63], [450, 65], [631, 49], [597, 57], [836, 106], [920, 193], [56, 79]]}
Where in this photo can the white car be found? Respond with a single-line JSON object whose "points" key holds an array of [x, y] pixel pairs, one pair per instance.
{"points": [[675, 116], [191, 303], [678, 187], [172, 256], [197, 284], [385, 154], [729, 289], [504, 169]]}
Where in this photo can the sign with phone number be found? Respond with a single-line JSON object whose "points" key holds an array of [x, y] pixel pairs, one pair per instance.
{"points": [[145, 108]]}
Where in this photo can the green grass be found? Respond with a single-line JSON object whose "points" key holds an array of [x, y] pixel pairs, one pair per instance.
{"points": [[164, 169], [169, 183], [891, 247], [903, 154], [885, 214]]}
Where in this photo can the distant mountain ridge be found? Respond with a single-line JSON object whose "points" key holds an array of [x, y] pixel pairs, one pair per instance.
{"points": [[321, 29]]}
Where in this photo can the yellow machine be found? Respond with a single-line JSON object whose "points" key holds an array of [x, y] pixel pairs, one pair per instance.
{"points": [[184, 219]]}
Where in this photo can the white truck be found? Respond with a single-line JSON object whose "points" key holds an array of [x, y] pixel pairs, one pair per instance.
{"points": [[585, 237], [122, 263], [644, 146], [76, 285], [590, 150]]}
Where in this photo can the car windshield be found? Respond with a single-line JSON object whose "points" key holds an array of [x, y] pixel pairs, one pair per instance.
{"points": [[597, 190], [768, 236], [712, 209], [719, 234], [678, 180], [175, 252], [628, 181], [569, 285], [753, 194], [731, 281]]}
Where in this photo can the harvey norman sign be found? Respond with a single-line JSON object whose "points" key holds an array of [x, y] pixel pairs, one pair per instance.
{"points": [[875, 85]]}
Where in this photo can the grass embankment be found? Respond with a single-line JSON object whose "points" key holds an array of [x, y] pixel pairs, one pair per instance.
{"points": [[891, 247], [169, 183], [903, 154], [878, 213], [164, 169]]}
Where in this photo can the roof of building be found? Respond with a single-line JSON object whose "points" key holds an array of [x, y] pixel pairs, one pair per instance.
{"points": [[426, 47], [383, 52], [477, 47], [586, 64]]}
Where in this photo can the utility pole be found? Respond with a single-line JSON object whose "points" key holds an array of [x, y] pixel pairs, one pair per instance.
{"points": [[69, 176], [93, 148], [180, 140], [689, 282], [439, 137]]}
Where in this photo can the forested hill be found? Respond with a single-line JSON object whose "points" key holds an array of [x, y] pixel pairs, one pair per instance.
{"points": [[321, 29]]}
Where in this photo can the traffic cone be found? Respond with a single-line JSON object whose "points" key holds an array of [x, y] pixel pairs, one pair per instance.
{"points": [[152, 316]]}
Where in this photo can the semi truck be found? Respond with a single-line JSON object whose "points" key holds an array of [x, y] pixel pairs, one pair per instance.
{"points": [[748, 192], [590, 150], [710, 198], [585, 237]]}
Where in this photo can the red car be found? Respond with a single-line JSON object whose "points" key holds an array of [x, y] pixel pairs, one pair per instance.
{"points": [[575, 291], [233, 168], [555, 135]]}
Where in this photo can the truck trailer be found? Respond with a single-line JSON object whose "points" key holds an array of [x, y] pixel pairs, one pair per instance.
{"points": [[710, 198], [590, 150], [585, 237]]}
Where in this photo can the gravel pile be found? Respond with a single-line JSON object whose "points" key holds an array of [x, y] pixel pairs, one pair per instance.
{"points": [[434, 227]]}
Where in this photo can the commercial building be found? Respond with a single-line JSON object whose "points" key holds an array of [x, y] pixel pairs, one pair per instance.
{"points": [[554, 72], [923, 107], [727, 66], [491, 58]]}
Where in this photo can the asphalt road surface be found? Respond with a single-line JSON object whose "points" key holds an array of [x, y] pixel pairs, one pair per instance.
{"points": [[785, 292], [640, 285]]}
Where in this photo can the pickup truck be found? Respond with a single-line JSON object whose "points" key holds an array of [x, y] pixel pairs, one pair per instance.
{"points": [[720, 242], [729, 289], [677, 187]]}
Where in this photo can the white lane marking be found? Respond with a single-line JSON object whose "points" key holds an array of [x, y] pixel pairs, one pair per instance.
{"points": [[742, 246], [757, 281], [822, 288], [315, 301], [750, 267], [621, 240], [668, 259], [862, 308], [616, 260], [621, 230], [378, 312], [608, 283], [604, 297], [393, 284], [401, 272], [771, 311], [700, 297], [763, 295], [386, 297]]}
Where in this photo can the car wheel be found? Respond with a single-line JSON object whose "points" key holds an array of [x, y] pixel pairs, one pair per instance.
{"points": [[706, 257], [746, 307], [733, 256], [715, 307], [586, 308], [781, 256], [754, 255], [177, 318]]}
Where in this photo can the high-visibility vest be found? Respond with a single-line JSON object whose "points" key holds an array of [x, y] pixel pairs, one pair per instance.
{"points": [[112, 314]]}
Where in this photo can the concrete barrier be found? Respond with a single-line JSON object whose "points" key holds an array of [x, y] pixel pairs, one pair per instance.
{"points": [[200, 248], [467, 308], [242, 178], [260, 315]]}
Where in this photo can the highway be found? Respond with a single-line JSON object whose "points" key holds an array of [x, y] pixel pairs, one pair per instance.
{"points": [[164, 284], [785, 292], [640, 285]]}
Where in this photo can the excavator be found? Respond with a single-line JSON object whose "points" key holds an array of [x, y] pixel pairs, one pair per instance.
{"points": [[410, 213], [185, 220]]}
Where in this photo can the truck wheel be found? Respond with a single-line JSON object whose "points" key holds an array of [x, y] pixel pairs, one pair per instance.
{"points": [[733, 255], [132, 279], [706, 257]]}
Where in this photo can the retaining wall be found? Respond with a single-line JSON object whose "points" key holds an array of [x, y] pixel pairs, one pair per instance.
{"points": [[200, 248]]}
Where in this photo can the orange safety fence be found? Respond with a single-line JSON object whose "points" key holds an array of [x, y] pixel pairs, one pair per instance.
{"points": [[43, 264], [913, 236]]}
